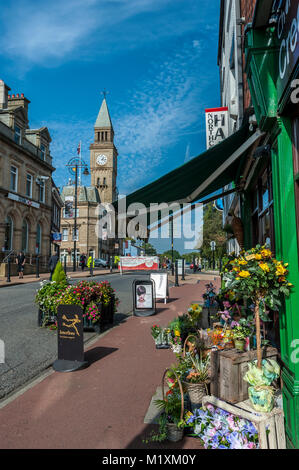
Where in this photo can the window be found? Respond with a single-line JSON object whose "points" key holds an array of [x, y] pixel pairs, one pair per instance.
{"points": [[13, 178], [17, 135], [75, 235], [8, 233], [25, 230], [106, 135], [38, 239], [29, 185], [104, 181], [98, 181], [41, 191], [43, 152], [262, 210], [65, 235]]}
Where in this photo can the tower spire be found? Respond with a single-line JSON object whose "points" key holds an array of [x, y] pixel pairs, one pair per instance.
{"points": [[103, 119]]}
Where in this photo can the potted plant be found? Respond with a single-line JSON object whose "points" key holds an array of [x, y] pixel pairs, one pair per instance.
{"points": [[161, 337], [196, 378], [46, 299], [240, 334], [258, 276]]}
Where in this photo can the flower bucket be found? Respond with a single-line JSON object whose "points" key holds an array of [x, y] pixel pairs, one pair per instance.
{"points": [[174, 434], [239, 344], [262, 398], [162, 342]]}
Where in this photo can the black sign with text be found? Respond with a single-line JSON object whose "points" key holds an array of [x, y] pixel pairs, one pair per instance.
{"points": [[70, 333]]}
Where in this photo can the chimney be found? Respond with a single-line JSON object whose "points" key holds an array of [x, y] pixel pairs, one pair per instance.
{"points": [[4, 89], [14, 101]]}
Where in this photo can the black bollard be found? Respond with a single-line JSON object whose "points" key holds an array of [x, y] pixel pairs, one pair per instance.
{"points": [[183, 270], [176, 275], [64, 264], [8, 270], [194, 267], [37, 266], [110, 262]]}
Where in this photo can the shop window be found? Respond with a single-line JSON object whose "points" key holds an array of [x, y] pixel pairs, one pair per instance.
{"points": [[29, 185], [262, 210]]}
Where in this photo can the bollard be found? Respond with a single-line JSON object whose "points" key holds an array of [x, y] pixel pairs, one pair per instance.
{"points": [[37, 266], [194, 268], [176, 275], [110, 263], [183, 270], [64, 267], [8, 270]]}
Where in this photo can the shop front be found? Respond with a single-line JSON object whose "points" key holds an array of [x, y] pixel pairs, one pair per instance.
{"points": [[270, 202]]}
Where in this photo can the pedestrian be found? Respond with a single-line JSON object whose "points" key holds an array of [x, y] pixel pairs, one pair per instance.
{"points": [[89, 261], [52, 264], [20, 260], [83, 261]]}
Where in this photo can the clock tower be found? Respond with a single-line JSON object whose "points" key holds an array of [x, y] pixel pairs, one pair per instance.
{"points": [[103, 156]]}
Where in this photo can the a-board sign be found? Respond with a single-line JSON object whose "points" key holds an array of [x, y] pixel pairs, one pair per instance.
{"points": [[70, 339], [180, 267], [161, 285], [144, 303]]}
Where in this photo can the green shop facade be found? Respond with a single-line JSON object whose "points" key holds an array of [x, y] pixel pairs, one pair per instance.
{"points": [[270, 196]]}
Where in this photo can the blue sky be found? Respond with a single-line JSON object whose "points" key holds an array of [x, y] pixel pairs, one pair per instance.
{"points": [[157, 59]]}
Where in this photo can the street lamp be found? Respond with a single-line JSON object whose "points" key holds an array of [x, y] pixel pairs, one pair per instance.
{"points": [[73, 165]]}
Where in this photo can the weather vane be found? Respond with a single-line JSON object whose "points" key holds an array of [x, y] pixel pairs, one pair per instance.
{"points": [[104, 92]]}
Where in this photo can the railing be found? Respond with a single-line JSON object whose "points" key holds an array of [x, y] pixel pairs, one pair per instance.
{"points": [[5, 260]]}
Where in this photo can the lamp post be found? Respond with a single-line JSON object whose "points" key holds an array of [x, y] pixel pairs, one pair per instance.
{"points": [[73, 165]]}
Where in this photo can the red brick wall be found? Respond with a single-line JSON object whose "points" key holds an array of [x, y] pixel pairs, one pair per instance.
{"points": [[247, 10]]}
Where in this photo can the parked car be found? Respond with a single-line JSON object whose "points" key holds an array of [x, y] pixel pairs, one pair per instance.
{"points": [[100, 263]]}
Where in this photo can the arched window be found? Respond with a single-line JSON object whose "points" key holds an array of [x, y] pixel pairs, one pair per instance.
{"points": [[25, 230], [38, 239], [8, 233]]}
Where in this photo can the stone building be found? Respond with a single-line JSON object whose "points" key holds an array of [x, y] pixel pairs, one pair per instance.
{"points": [[103, 171], [25, 183]]}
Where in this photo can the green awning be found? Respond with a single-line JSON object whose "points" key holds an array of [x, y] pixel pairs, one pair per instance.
{"points": [[201, 176]]}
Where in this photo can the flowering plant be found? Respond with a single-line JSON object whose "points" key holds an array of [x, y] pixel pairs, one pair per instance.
{"points": [[92, 312], [257, 275], [194, 312], [219, 429], [47, 295], [156, 331], [199, 371], [241, 332]]}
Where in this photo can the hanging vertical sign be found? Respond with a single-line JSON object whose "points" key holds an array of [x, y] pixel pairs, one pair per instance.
{"points": [[216, 125]]}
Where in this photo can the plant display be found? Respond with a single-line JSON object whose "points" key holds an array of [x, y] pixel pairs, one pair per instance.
{"points": [[241, 332], [156, 331], [47, 296], [199, 371], [257, 275], [218, 429]]}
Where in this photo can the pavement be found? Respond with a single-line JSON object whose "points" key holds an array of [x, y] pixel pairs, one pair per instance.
{"points": [[105, 405]]}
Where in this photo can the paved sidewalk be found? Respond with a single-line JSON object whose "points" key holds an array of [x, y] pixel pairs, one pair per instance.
{"points": [[103, 406], [72, 275]]}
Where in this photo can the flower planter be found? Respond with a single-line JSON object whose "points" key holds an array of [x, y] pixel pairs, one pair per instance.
{"points": [[196, 392], [239, 344], [174, 434]]}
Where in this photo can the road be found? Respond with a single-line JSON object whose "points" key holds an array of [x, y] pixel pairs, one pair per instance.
{"points": [[29, 350]]}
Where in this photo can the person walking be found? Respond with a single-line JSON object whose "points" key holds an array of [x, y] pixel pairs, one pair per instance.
{"points": [[82, 261], [52, 264], [20, 260]]}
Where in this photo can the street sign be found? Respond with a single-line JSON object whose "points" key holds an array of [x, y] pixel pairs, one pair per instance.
{"points": [[161, 285], [70, 339], [180, 267]]}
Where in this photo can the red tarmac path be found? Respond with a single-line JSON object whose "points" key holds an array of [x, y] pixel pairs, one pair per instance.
{"points": [[103, 406]]}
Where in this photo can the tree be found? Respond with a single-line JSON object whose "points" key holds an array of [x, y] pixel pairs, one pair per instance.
{"points": [[149, 249], [213, 231], [59, 274], [168, 254]]}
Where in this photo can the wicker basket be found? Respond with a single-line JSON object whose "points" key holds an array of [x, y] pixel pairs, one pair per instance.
{"points": [[196, 392], [174, 434]]}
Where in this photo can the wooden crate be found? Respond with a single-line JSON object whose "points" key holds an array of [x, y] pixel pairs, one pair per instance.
{"points": [[228, 368], [270, 426]]}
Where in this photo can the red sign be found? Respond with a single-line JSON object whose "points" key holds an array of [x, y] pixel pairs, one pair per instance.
{"points": [[139, 263]]}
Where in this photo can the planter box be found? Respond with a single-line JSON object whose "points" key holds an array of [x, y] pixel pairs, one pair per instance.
{"points": [[41, 317], [89, 325], [270, 426], [228, 368]]}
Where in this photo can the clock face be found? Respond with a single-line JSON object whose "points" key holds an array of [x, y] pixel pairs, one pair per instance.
{"points": [[101, 159]]}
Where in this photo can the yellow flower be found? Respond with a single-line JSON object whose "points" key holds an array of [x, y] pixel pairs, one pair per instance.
{"points": [[177, 333], [249, 257], [244, 274], [280, 270], [266, 253], [242, 262], [264, 267], [290, 284], [258, 257]]}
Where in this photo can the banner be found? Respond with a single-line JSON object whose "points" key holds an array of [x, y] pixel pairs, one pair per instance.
{"points": [[139, 263], [68, 207]]}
